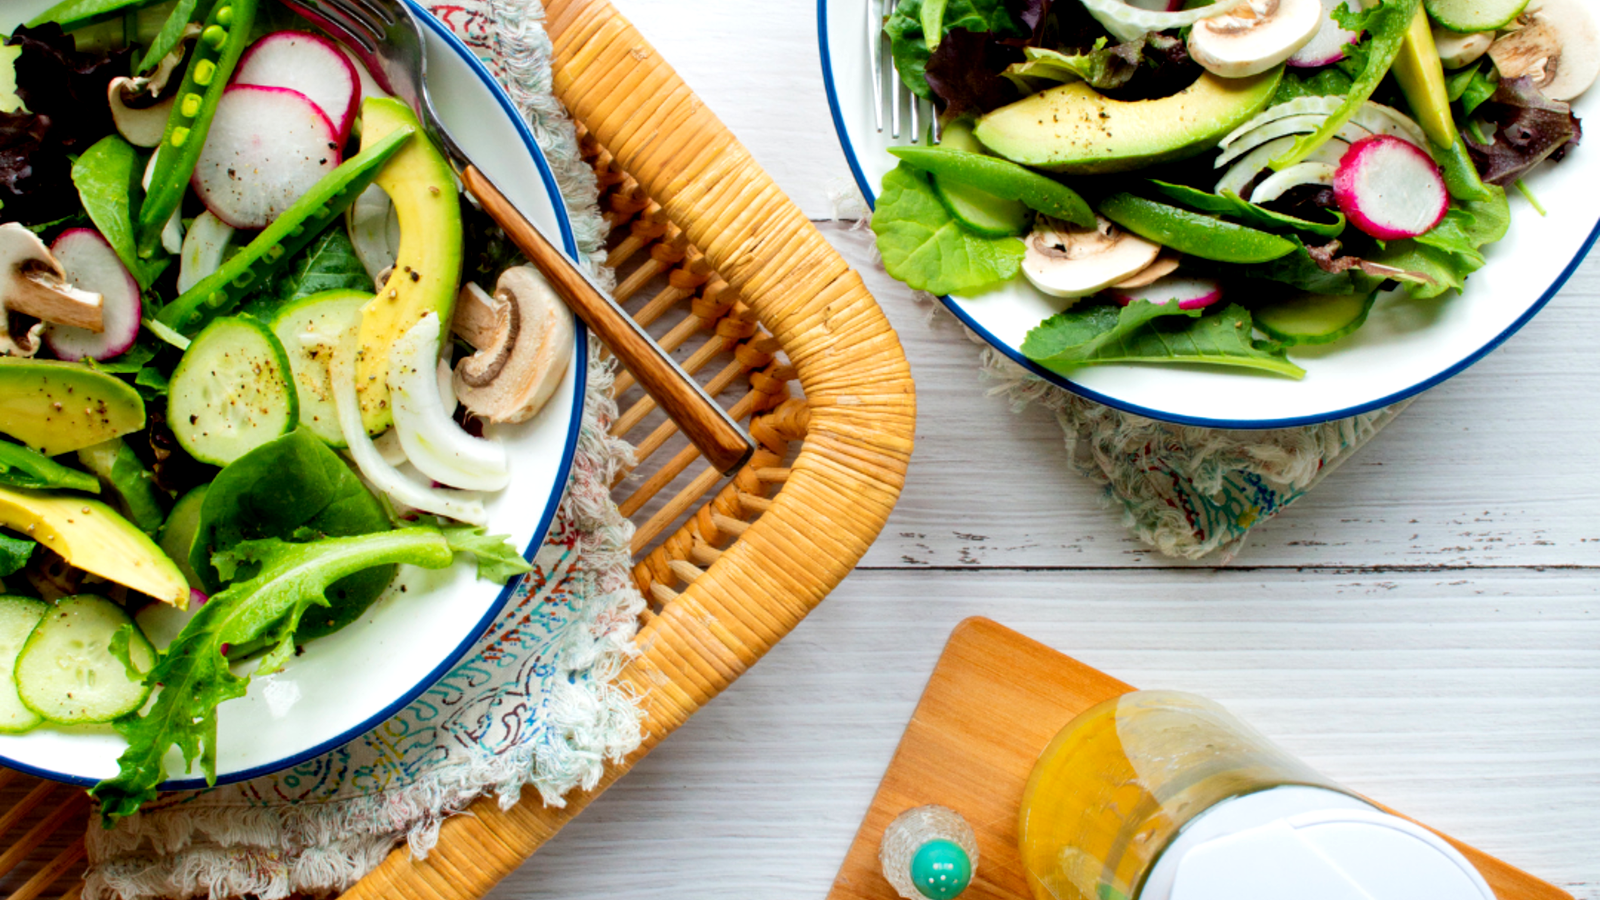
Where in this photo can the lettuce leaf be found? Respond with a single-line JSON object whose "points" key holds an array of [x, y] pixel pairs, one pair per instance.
{"points": [[107, 179], [925, 247], [1528, 128], [1154, 333], [14, 553], [1104, 68], [498, 561], [909, 47], [1453, 250], [193, 673]]}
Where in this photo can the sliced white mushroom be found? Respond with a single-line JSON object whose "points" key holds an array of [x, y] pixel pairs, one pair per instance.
{"points": [[1557, 43], [524, 336], [1165, 265], [142, 125], [33, 284], [172, 233], [1295, 176], [1255, 36], [1457, 50], [203, 249], [1064, 261]]}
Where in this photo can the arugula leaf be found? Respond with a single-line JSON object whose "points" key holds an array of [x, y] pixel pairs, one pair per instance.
{"points": [[328, 263], [925, 247], [25, 468], [14, 553], [193, 673], [1154, 333], [107, 178], [908, 46], [497, 559]]}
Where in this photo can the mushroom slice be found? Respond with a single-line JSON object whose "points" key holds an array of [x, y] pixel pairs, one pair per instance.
{"points": [[141, 125], [1165, 265], [1556, 43], [32, 283], [1064, 261], [1458, 50], [523, 335], [1255, 36]]}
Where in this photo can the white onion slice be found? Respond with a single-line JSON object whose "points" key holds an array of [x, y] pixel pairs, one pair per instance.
{"points": [[1128, 22], [203, 249], [434, 443], [342, 373], [1256, 161], [1293, 177]]}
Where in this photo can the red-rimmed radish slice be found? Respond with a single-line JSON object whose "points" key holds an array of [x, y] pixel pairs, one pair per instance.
{"points": [[267, 147], [1191, 293], [92, 265], [1390, 188], [369, 85], [310, 64], [1331, 43]]}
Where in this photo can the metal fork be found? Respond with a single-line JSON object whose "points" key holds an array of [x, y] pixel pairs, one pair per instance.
{"points": [[387, 37], [899, 95]]}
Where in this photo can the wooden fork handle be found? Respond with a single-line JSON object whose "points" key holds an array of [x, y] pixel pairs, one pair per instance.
{"points": [[702, 420]]}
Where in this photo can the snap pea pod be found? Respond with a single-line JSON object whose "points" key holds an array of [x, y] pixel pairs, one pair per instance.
{"points": [[1192, 233], [222, 290], [222, 42], [73, 14]]}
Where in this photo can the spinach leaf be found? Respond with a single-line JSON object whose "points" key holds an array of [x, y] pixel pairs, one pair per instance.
{"points": [[107, 178], [193, 672], [925, 247], [909, 47], [497, 559], [1154, 333], [1229, 203], [25, 468], [14, 553], [293, 487], [170, 35]]}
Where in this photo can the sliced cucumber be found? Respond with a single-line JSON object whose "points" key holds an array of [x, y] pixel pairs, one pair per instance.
{"points": [[1472, 16], [1314, 318], [980, 211], [177, 533], [231, 391], [18, 616], [326, 315], [67, 671]]}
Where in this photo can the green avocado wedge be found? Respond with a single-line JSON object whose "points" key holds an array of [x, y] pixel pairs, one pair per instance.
{"points": [[56, 407], [1076, 129], [1002, 178], [1192, 233]]}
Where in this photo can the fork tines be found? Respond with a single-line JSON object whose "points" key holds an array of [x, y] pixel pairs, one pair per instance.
{"points": [[898, 98]]}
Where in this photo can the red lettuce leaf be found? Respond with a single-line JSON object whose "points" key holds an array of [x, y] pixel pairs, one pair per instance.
{"points": [[964, 73], [1529, 128]]}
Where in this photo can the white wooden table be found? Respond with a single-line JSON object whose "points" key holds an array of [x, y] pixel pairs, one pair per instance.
{"points": [[1425, 627]]}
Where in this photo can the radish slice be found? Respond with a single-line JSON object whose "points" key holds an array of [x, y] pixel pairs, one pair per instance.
{"points": [[369, 85], [1191, 293], [92, 265], [1390, 189], [1330, 44], [1296, 176], [202, 249], [267, 147], [310, 64]]}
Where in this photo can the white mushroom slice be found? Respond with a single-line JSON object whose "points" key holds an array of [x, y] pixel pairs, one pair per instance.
{"points": [[1557, 44], [1256, 161], [141, 125], [32, 283], [1165, 265], [1256, 36], [524, 336], [1457, 50], [1064, 261], [1293, 177]]}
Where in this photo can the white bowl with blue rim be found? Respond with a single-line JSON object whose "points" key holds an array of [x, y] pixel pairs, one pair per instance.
{"points": [[347, 683], [1406, 346]]}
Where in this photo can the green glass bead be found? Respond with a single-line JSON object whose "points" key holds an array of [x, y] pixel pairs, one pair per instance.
{"points": [[941, 870]]}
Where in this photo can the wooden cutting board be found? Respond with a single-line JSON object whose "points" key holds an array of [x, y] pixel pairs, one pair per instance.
{"points": [[995, 700]]}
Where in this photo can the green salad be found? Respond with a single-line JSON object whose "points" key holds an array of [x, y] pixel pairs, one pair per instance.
{"points": [[246, 367], [1221, 183]]}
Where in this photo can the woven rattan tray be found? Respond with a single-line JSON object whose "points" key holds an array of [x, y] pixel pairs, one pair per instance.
{"points": [[717, 262]]}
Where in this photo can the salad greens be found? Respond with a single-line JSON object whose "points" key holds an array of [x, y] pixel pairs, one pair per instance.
{"points": [[924, 246], [25, 468], [1150, 332], [107, 179], [14, 554]]}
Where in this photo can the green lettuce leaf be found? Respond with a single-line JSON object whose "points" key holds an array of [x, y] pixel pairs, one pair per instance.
{"points": [[1154, 333], [1105, 68], [193, 673], [1453, 250], [909, 47], [925, 247], [14, 553], [107, 179], [497, 559]]}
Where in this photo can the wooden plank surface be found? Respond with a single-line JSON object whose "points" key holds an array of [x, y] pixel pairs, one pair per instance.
{"points": [[994, 701], [1425, 627]]}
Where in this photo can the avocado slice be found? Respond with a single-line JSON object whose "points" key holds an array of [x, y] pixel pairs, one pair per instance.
{"points": [[57, 407], [92, 536], [427, 270], [1075, 129]]}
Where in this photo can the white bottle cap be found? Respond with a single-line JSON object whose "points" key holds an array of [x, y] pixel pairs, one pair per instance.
{"points": [[1309, 844]]}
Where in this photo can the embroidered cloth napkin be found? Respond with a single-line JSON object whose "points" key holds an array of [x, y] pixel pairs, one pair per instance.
{"points": [[531, 704]]}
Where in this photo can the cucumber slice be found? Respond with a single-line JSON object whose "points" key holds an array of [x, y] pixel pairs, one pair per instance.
{"points": [[67, 672], [177, 533], [1308, 319], [231, 392], [981, 212], [327, 315], [1472, 16], [18, 616]]}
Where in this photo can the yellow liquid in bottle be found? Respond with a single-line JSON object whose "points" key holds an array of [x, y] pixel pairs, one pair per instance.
{"points": [[1117, 784]]}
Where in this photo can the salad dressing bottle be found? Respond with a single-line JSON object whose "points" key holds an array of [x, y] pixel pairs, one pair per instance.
{"points": [[1160, 795]]}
